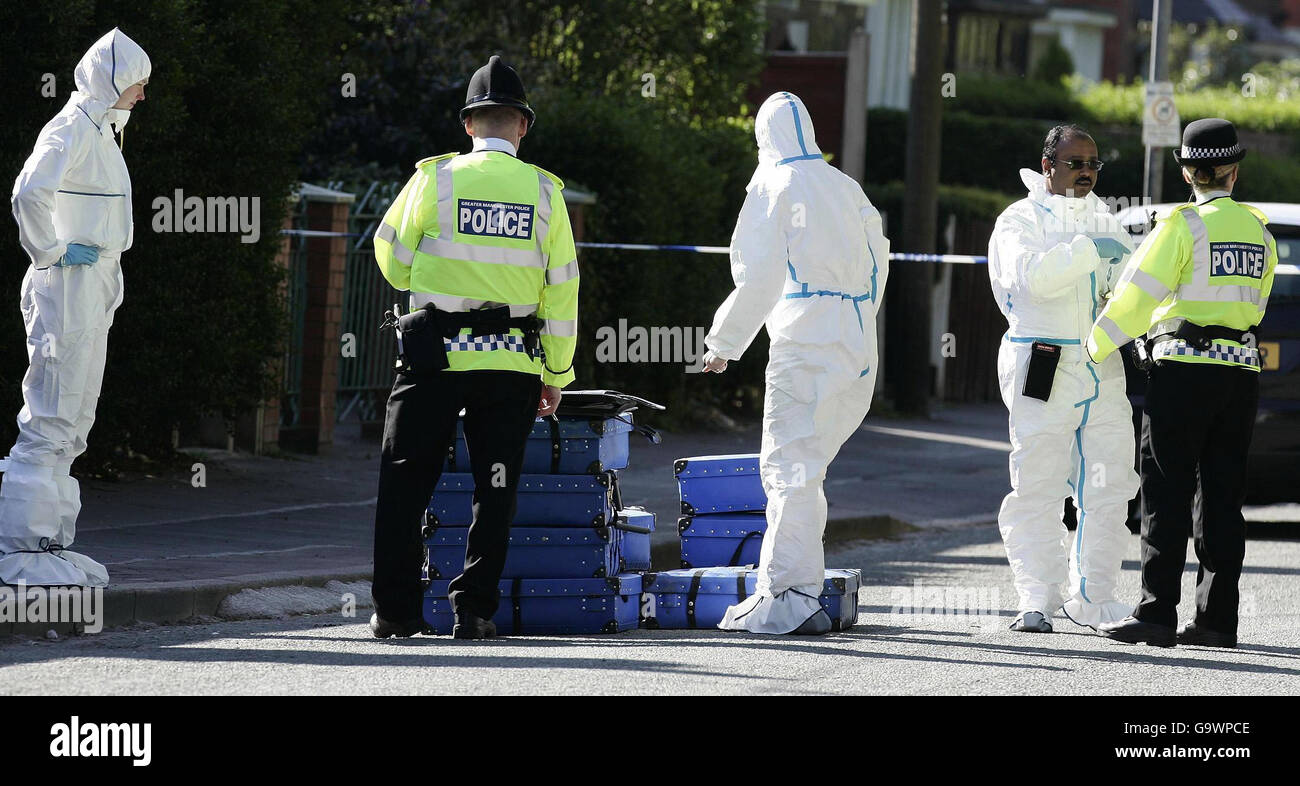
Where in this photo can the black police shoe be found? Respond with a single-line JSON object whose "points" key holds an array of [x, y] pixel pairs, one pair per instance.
{"points": [[1198, 635], [469, 626], [382, 628], [1132, 630]]}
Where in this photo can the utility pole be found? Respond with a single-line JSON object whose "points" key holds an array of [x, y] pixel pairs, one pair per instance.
{"points": [[1161, 19], [854, 154], [909, 287]]}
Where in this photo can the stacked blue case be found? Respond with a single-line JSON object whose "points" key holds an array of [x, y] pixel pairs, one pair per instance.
{"points": [[719, 484], [551, 606], [543, 500], [722, 504], [721, 539], [574, 549], [562, 446], [688, 599]]}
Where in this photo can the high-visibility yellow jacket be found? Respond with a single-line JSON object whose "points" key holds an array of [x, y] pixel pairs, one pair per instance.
{"points": [[1210, 264], [482, 230]]}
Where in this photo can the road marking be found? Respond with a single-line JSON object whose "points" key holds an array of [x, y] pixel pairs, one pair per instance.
{"points": [[933, 436], [247, 514], [233, 553]]}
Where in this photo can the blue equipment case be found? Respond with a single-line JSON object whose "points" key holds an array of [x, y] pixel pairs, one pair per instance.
{"points": [[563, 446], [557, 553], [721, 539], [543, 501], [633, 528], [550, 606], [686, 599], [720, 484]]}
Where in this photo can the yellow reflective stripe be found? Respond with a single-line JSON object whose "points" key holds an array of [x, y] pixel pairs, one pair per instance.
{"points": [[1113, 331], [562, 328], [456, 303], [1148, 283], [558, 275], [401, 253], [1270, 248], [545, 190], [492, 255], [446, 210]]}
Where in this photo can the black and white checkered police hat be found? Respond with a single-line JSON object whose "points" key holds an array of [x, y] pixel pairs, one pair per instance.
{"points": [[1209, 142]]}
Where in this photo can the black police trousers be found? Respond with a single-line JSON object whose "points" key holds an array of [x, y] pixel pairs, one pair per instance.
{"points": [[420, 425], [1196, 431]]}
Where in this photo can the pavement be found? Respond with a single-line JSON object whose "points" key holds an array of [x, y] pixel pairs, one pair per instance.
{"points": [[203, 544]]}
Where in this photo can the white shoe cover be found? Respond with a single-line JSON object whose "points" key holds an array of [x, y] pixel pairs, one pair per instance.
{"points": [[47, 569], [779, 615], [1090, 615]]}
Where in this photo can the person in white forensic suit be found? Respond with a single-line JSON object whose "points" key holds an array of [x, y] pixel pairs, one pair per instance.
{"points": [[72, 202], [1053, 259], [809, 260]]}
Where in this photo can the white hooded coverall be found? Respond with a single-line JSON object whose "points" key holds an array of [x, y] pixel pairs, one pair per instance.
{"points": [[1049, 282], [74, 188], [809, 260]]}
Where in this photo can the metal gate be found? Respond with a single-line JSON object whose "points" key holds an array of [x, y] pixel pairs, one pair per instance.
{"points": [[366, 376]]}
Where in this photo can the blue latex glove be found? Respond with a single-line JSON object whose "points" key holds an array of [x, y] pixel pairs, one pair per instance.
{"points": [[78, 254], [1109, 248]]}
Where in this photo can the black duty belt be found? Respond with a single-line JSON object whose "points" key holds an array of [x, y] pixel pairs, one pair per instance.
{"points": [[1202, 337], [421, 333]]}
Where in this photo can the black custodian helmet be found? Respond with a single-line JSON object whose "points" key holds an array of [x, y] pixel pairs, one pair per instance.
{"points": [[496, 84]]}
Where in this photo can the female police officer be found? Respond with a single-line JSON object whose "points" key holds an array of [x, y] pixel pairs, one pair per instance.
{"points": [[1198, 287]]}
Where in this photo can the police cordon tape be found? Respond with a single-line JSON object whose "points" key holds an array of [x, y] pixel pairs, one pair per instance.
{"points": [[947, 259], [950, 259], [955, 259]]}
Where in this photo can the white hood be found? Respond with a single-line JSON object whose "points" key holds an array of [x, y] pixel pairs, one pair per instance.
{"points": [[111, 65], [784, 132]]}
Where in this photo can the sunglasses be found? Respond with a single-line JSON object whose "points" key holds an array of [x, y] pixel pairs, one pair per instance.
{"points": [[1078, 163]]}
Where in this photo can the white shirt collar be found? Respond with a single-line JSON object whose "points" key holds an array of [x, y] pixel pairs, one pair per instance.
{"points": [[1206, 197], [495, 143]]}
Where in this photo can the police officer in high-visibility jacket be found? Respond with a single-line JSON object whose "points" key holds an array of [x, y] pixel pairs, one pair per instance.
{"points": [[483, 243], [1197, 287]]}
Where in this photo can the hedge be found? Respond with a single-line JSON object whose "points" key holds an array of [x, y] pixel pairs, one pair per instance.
{"points": [[1005, 145], [1122, 104]]}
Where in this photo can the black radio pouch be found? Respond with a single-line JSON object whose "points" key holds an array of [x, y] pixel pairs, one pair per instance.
{"points": [[1042, 370], [420, 342]]}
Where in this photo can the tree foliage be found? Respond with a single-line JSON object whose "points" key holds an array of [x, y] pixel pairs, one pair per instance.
{"points": [[412, 62]]}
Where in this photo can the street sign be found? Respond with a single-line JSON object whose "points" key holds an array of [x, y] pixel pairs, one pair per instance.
{"points": [[1160, 117]]}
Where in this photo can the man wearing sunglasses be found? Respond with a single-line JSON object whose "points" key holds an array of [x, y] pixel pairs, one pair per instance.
{"points": [[1053, 258]]}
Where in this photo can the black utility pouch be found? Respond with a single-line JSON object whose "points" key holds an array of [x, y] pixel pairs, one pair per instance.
{"points": [[1042, 370], [422, 347]]}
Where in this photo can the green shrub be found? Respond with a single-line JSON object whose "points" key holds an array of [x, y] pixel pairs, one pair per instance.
{"points": [[1055, 66], [1122, 104], [965, 202], [994, 96]]}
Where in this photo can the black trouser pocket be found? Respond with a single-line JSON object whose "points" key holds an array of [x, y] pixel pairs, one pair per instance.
{"points": [[1042, 370]]}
